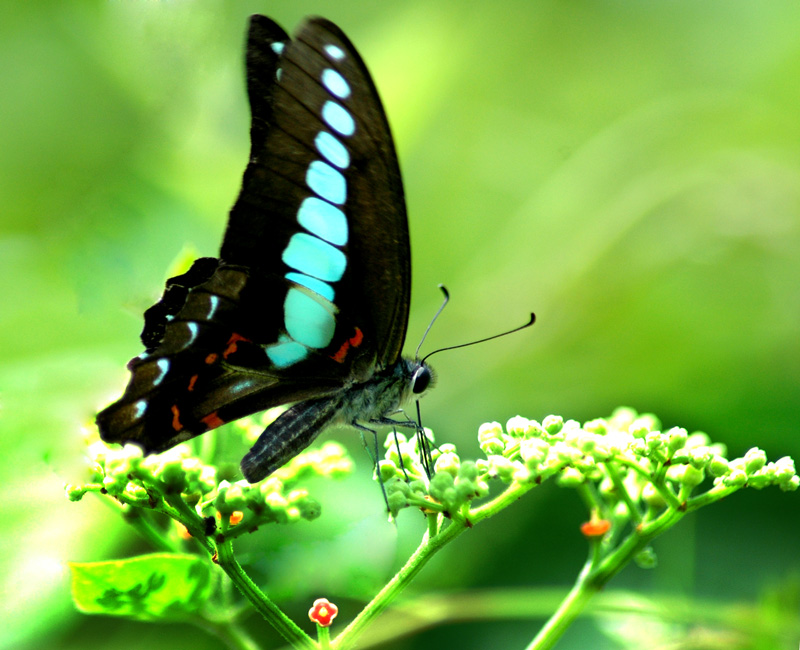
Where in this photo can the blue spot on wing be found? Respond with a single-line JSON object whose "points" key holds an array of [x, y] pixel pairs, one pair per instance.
{"points": [[312, 256], [307, 320], [332, 150], [338, 118], [335, 84], [327, 182], [323, 220], [286, 353]]}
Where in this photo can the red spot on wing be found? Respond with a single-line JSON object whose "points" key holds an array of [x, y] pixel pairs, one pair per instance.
{"points": [[212, 420], [211, 358], [354, 341], [192, 382], [232, 343], [176, 414]]}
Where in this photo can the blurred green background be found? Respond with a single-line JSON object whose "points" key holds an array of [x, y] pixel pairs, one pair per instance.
{"points": [[629, 170]]}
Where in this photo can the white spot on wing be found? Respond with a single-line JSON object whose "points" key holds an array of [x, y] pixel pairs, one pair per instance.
{"points": [[334, 52], [163, 366]]}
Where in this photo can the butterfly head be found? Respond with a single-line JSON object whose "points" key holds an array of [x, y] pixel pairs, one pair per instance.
{"points": [[421, 379]]}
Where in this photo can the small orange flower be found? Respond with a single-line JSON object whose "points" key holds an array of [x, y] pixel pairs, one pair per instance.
{"points": [[323, 612], [236, 517], [595, 527]]}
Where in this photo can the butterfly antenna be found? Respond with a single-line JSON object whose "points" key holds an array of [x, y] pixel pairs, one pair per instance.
{"points": [[488, 338], [433, 320]]}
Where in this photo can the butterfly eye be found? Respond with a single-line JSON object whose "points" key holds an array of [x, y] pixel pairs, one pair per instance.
{"points": [[421, 380]]}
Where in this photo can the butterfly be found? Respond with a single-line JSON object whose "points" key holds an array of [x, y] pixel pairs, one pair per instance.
{"points": [[308, 301]]}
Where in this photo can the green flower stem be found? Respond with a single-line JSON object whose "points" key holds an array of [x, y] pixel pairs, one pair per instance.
{"points": [[273, 615], [596, 573], [323, 637], [189, 518], [425, 551], [633, 510], [714, 494]]}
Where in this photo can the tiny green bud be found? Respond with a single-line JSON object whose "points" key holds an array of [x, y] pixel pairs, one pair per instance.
{"points": [[791, 484], [640, 427], [397, 501], [517, 426], [490, 430], [533, 451], [692, 476], [567, 453], [534, 429], [387, 469], [115, 483], [607, 487], [737, 478], [570, 477], [699, 457], [676, 439], [95, 473], [783, 469], [598, 426], [754, 460], [219, 500], [417, 487], [447, 462], [759, 480], [718, 466], [441, 485], [136, 492], [235, 497], [397, 438], [654, 440], [396, 484], [646, 558], [308, 508], [173, 476], [502, 467], [468, 471], [492, 446], [553, 424], [75, 492]]}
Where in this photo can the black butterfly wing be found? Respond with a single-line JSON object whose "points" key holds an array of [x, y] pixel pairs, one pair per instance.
{"points": [[288, 120], [273, 321]]}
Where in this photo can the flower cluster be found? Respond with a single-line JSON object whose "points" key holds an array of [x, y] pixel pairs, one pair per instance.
{"points": [[125, 474], [180, 485], [627, 457]]}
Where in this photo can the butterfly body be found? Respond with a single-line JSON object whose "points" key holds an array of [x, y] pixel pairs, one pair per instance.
{"points": [[308, 301]]}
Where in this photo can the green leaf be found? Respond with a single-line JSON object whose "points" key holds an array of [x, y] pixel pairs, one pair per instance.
{"points": [[149, 587]]}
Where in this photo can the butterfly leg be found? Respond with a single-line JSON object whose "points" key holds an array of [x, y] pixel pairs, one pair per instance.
{"points": [[376, 459], [423, 443]]}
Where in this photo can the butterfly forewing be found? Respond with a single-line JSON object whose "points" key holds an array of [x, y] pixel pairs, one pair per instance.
{"points": [[312, 289], [328, 154]]}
